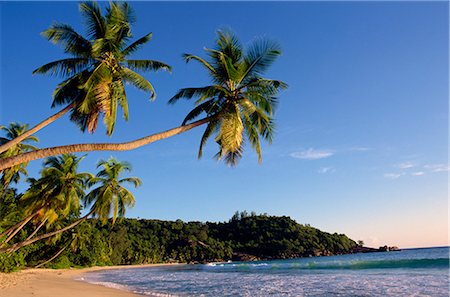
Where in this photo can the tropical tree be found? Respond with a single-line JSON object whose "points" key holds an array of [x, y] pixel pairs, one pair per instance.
{"points": [[98, 68], [111, 199], [56, 194], [240, 101], [76, 240], [14, 173]]}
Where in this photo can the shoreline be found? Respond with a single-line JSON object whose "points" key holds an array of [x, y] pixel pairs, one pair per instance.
{"points": [[43, 282]]}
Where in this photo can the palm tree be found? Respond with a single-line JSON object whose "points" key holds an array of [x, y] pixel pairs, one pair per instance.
{"points": [[57, 193], [14, 130], [239, 101], [77, 239], [111, 199], [61, 181], [98, 68]]}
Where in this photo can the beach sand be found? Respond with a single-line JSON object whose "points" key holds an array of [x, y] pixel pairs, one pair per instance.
{"points": [[58, 283]]}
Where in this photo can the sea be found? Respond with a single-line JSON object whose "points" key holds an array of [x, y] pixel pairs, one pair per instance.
{"points": [[409, 272]]}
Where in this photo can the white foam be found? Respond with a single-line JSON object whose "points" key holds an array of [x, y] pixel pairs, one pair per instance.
{"points": [[111, 285]]}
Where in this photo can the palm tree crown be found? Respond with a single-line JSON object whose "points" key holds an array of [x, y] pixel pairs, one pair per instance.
{"points": [[59, 189], [240, 102], [99, 65], [14, 173], [111, 198]]}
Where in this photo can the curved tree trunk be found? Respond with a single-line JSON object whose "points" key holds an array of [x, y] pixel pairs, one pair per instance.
{"points": [[87, 147], [18, 227], [18, 245], [36, 128], [11, 229], [52, 258], [37, 229]]}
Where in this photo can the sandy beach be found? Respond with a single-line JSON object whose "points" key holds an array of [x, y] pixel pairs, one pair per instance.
{"points": [[60, 282]]}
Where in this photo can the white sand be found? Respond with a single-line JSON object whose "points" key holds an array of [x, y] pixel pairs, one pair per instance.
{"points": [[59, 283]]}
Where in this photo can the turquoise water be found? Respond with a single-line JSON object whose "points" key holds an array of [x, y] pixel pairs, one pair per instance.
{"points": [[411, 272]]}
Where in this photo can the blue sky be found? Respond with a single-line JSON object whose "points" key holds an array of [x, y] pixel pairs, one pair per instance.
{"points": [[362, 132]]}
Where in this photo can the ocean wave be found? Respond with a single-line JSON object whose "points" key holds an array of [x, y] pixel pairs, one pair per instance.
{"points": [[110, 285], [385, 264], [351, 265]]}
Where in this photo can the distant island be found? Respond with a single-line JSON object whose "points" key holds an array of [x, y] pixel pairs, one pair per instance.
{"points": [[245, 237]]}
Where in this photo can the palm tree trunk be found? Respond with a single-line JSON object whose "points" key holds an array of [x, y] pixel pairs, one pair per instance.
{"points": [[18, 245], [87, 147], [52, 258], [10, 229], [36, 128], [17, 228], [37, 229]]}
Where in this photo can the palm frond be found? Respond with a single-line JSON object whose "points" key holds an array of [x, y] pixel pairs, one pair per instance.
{"points": [[252, 136], [132, 180], [137, 44], [119, 18], [210, 128], [202, 92], [208, 66], [206, 107], [72, 42], [259, 58], [94, 21], [230, 132], [69, 90], [229, 45], [138, 81], [265, 126], [96, 82], [147, 65], [118, 91], [64, 67]]}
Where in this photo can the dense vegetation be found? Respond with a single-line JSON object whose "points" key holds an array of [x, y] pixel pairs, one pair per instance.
{"points": [[139, 241]]}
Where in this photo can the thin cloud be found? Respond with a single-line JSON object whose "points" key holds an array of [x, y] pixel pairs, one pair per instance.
{"points": [[392, 175], [312, 154], [405, 165], [437, 167], [325, 170], [418, 173]]}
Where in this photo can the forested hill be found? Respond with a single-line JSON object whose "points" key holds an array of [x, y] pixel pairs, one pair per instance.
{"points": [[244, 237], [269, 237], [140, 241]]}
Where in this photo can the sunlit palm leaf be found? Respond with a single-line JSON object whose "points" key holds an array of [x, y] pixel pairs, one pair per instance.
{"points": [[139, 82], [241, 104]]}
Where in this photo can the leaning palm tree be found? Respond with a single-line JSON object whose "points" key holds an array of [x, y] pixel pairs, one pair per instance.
{"points": [[98, 68], [14, 130], [77, 239], [240, 101], [111, 199], [55, 194]]}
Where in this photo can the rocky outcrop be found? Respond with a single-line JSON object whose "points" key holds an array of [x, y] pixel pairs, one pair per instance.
{"points": [[388, 248], [244, 257], [363, 249]]}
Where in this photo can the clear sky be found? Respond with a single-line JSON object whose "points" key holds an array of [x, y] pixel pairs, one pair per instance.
{"points": [[362, 132]]}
